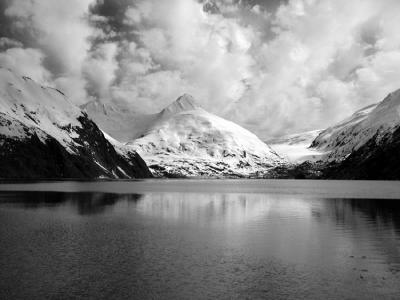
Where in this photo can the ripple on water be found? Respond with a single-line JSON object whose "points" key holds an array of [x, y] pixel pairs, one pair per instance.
{"points": [[197, 245]]}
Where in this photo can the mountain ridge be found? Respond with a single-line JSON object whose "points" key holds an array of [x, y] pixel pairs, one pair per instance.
{"points": [[44, 135], [347, 136], [183, 103]]}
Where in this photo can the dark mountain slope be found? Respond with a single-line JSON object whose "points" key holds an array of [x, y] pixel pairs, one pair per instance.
{"points": [[43, 135], [378, 159]]}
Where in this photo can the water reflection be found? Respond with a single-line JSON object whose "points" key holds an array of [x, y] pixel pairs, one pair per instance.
{"points": [[197, 245], [83, 203], [210, 207], [352, 212]]}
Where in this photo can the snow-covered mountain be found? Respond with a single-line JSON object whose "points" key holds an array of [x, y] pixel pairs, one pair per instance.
{"points": [[365, 145], [376, 122], [42, 134], [186, 140], [296, 147]]}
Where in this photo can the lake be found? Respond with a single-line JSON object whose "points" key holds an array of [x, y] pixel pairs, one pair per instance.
{"points": [[200, 239]]}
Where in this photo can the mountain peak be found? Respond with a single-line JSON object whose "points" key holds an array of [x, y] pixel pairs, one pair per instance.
{"points": [[186, 98], [185, 102], [393, 99]]}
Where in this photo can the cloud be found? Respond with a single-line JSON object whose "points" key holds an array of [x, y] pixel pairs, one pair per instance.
{"points": [[25, 61], [207, 53], [327, 59], [272, 66], [59, 31], [60, 28], [6, 43], [99, 69]]}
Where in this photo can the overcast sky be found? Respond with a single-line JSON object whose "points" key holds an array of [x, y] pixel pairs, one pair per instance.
{"points": [[272, 66]]}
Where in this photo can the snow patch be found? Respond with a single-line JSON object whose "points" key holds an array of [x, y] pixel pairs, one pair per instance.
{"points": [[123, 172], [101, 166]]}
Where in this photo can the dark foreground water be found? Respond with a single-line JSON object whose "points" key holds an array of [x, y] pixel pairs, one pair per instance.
{"points": [[200, 240]]}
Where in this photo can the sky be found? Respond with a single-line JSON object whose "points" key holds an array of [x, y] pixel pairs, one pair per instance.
{"points": [[273, 66]]}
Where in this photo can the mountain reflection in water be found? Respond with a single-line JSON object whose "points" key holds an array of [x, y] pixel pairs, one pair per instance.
{"points": [[197, 245]]}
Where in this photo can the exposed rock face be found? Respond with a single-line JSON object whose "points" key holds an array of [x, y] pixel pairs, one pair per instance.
{"points": [[43, 135]]}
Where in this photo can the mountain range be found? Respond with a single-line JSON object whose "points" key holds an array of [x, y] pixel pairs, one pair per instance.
{"points": [[44, 135], [184, 140]]}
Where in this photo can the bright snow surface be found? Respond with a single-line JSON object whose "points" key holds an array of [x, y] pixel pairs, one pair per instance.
{"points": [[187, 140], [27, 107], [376, 120], [296, 147]]}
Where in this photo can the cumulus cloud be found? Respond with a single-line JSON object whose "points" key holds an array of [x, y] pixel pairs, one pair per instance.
{"points": [[25, 61], [60, 32], [60, 29], [99, 69], [272, 66], [6, 43], [326, 59], [205, 54]]}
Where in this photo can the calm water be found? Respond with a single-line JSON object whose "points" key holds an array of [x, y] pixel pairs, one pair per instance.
{"points": [[200, 240]]}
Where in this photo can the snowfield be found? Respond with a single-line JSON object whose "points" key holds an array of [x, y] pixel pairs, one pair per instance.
{"points": [[296, 147], [187, 140]]}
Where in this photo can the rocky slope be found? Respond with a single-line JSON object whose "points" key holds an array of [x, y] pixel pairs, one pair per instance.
{"points": [[186, 140], [43, 135]]}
